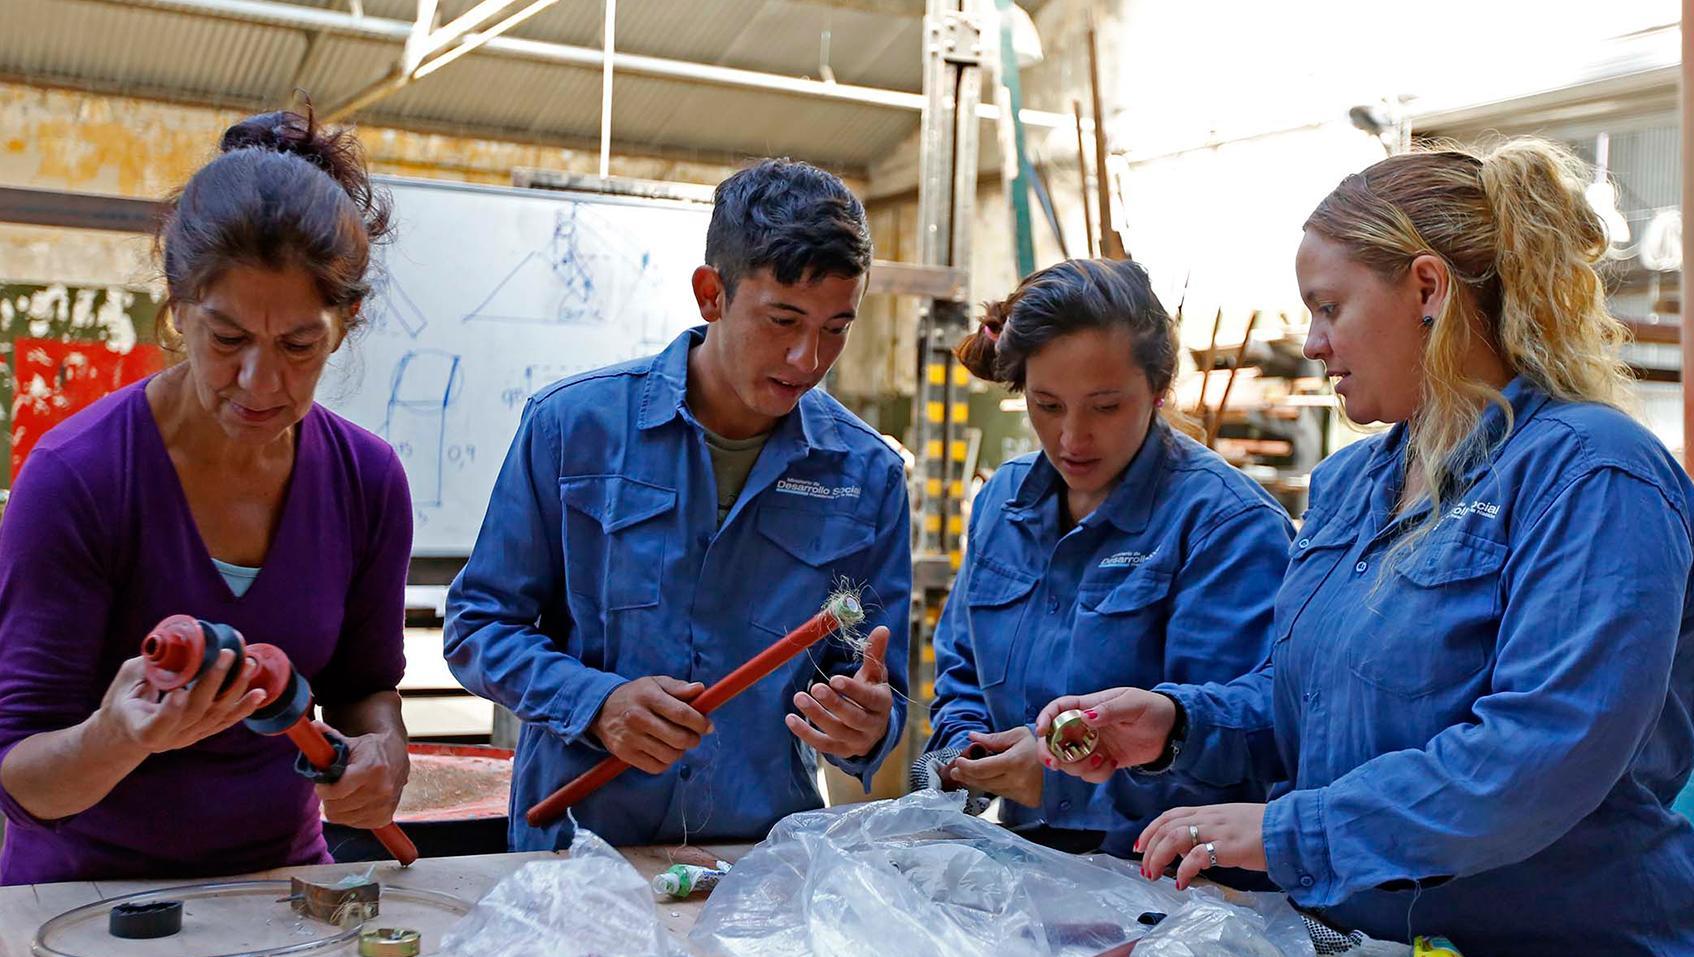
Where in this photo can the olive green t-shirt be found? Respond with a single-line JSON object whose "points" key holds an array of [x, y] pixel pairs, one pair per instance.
{"points": [[732, 462]]}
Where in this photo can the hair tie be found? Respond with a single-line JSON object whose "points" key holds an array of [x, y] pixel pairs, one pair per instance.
{"points": [[992, 333]]}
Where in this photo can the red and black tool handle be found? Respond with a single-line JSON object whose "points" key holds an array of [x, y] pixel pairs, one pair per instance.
{"points": [[180, 648]]}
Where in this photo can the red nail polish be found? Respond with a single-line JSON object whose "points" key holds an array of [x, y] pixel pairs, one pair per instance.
{"points": [[1091, 714]]}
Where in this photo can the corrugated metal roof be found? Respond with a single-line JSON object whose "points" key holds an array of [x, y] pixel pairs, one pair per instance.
{"points": [[153, 50], [148, 52]]}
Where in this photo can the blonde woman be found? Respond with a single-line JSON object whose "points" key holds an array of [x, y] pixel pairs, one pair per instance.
{"points": [[1478, 701]]}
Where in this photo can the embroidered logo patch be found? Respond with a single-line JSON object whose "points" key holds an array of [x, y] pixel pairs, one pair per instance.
{"points": [[1126, 559], [1478, 507], [811, 489]]}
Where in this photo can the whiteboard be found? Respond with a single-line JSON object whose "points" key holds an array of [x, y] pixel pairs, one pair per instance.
{"points": [[483, 297]]}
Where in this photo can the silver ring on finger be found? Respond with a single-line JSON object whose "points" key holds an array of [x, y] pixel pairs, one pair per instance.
{"points": [[1193, 836], [1212, 854]]}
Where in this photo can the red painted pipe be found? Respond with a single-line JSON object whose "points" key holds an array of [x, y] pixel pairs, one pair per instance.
{"points": [[552, 807], [275, 674], [175, 652], [321, 754]]}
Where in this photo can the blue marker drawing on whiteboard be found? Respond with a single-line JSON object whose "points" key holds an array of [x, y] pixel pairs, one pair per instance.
{"points": [[425, 383], [388, 307], [589, 273]]}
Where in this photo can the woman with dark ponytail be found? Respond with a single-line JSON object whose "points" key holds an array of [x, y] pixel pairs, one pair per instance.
{"points": [[219, 490], [1480, 704], [1122, 552]]}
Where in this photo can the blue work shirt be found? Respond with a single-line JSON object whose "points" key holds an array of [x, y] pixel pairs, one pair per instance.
{"points": [[601, 560], [1507, 706], [1171, 578]]}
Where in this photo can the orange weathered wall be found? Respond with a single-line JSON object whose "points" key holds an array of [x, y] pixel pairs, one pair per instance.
{"points": [[86, 142]]}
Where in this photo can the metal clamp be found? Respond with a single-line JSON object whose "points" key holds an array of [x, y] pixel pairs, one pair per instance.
{"points": [[328, 775], [339, 904], [958, 35]]}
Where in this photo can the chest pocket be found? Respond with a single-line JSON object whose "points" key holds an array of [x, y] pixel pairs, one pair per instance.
{"points": [[1119, 635], [997, 598], [1433, 626], [614, 538], [1322, 542], [812, 549]]}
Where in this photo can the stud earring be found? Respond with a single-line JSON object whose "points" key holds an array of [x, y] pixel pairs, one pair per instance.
{"points": [[1428, 321]]}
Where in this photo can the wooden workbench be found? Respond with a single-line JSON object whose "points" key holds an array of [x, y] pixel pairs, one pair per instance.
{"points": [[24, 908]]}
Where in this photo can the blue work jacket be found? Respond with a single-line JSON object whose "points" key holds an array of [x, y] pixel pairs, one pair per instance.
{"points": [[601, 560], [1171, 578], [1482, 741]]}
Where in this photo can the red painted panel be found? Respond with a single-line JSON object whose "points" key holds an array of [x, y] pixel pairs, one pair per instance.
{"points": [[55, 379]]}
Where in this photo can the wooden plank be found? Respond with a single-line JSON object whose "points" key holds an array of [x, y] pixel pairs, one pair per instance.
{"points": [[24, 908], [911, 279], [46, 207]]}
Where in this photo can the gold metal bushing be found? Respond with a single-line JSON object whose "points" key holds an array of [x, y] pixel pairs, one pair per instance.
{"points": [[1070, 739], [390, 942]]}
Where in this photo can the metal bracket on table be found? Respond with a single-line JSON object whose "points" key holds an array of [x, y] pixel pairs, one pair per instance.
{"points": [[339, 903]]}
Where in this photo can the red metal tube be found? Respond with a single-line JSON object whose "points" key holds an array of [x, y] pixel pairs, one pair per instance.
{"points": [[175, 649], [321, 754], [552, 807], [312, 743]]}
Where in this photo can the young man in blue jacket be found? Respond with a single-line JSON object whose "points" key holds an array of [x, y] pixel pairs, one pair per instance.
{"points": [[658, 523]]}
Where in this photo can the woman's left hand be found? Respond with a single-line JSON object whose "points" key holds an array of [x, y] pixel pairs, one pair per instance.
{"points": [[1235, 832], [369, 790]]}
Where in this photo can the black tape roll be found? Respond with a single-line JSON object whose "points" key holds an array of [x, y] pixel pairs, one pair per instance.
{"points": [[145, 921], [281, 714], [219, 637]]}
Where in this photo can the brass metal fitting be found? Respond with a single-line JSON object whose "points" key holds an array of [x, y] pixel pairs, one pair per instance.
{"points": [[390, 942], [1070, 739]]}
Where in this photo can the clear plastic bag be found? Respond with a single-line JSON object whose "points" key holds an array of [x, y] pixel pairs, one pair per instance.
{"points": [[593, 904], [918, 876]]}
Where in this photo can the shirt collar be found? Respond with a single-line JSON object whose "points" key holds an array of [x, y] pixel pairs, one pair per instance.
{"points": [[1387, 466], [1130, 504], [665, 397]]}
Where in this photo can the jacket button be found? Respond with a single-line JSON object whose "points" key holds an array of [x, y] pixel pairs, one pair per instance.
{"points": [[1305, 542], [1306, 880], [688, 772], [1064, 805], [1360, 567]]}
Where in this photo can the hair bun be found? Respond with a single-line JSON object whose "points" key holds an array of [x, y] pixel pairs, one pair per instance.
{"points": [[335, 151], [284, 131], [977, 352]]}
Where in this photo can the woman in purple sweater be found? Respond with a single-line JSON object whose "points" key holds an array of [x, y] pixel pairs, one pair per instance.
{"points": [[217, 489]]}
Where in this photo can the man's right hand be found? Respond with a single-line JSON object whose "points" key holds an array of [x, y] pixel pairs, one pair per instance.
{"points": [[647, 723]]}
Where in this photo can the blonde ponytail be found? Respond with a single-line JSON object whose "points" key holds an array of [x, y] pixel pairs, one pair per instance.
{"points": [[1553, 325]]}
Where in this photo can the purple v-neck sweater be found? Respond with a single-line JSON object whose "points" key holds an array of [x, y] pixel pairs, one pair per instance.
{"points": [[97, 545]]}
